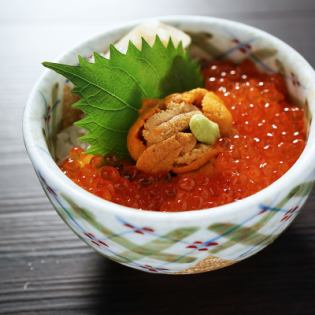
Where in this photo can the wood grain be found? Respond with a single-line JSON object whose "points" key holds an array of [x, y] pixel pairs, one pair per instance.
{"points": [[44, 267]]}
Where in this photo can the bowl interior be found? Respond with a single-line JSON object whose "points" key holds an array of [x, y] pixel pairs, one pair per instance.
{"points": [[211, 38]]}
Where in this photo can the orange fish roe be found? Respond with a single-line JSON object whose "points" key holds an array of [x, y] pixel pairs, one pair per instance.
{"points": [[270, 136]]}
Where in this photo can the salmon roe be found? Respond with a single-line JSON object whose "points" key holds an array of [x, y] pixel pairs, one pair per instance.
{"points": [[270, 136]]}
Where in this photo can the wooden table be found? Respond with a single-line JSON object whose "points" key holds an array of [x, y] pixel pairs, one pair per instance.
{"points": [[44, 267]]}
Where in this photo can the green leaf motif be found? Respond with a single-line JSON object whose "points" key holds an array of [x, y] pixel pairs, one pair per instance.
{"points": [[262, 54], [202, 40], [301, 190], [133, 252], [308, 114], [238, 234], [54, 94], [156, 247], [242, 235], [112, 90], [281, 67]]}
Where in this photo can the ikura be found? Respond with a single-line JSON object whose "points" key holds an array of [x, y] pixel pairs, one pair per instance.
{"points": [[270, 137]]}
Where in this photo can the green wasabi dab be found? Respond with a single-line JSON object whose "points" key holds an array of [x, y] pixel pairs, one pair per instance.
{"points": [[204, 129]]}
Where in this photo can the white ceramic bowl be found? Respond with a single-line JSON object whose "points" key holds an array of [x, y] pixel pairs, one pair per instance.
{"points": [[182, 242]]}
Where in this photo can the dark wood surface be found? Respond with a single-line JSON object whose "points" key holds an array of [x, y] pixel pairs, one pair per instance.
{"points": [[44, 267]]}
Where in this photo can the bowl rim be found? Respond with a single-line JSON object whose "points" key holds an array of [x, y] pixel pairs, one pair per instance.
{"points": [[63, 183]]}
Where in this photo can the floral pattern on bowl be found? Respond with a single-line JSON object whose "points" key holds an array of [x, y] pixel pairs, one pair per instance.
{"points": [[188, 249]]}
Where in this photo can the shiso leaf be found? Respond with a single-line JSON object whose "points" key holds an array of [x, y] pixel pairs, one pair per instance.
{"points": [[112, 90]]}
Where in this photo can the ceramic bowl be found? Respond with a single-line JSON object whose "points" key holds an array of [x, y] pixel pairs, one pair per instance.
{"points": [[182, 242]]}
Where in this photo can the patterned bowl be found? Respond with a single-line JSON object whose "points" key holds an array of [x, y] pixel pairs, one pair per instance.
{"points": [[183, 242]]}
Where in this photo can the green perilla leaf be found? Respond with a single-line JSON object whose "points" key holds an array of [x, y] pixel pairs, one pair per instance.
{"points": [[112, 90]]}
